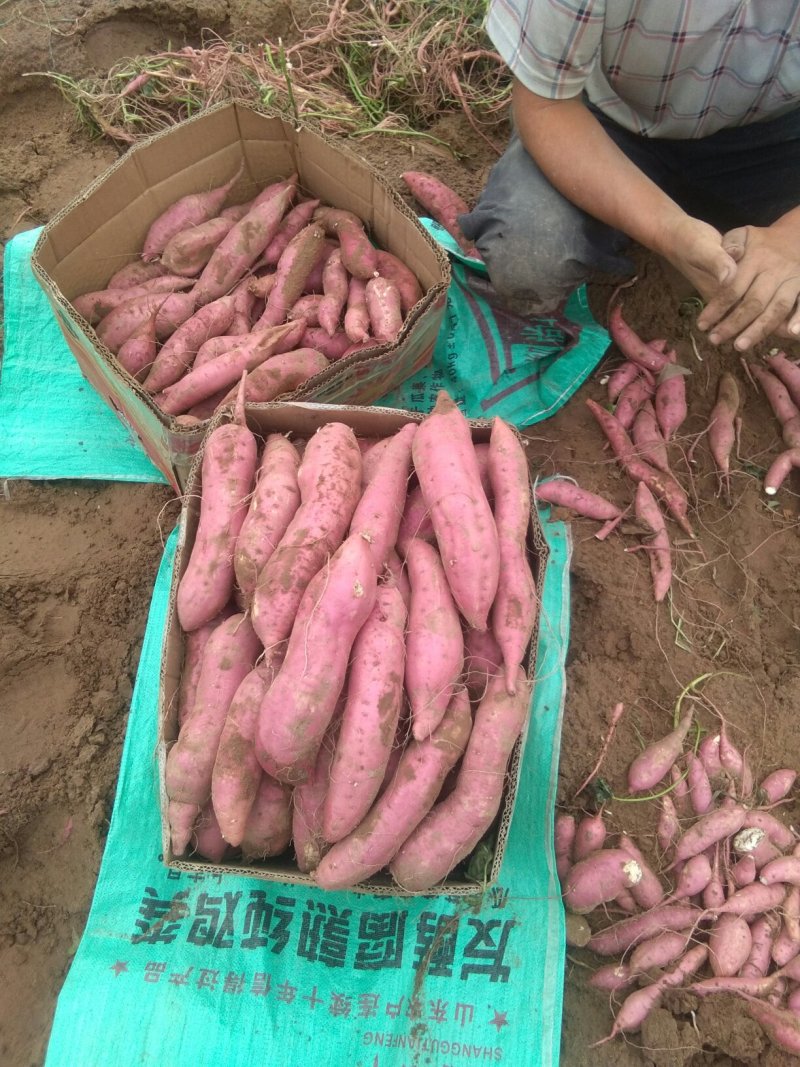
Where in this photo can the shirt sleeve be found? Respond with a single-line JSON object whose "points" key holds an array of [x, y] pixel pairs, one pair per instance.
{"points": [[548, 45]]}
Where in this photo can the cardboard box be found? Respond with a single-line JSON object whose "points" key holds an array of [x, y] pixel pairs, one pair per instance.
{"points": [[104, 228], [303, 420]]}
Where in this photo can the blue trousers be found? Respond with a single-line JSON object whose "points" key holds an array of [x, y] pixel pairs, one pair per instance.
{"points": [[538, 246]]}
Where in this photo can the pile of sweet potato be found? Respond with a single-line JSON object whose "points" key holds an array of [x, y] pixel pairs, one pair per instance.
{"points": [[357, 615], [722, 916], [279, 287]]}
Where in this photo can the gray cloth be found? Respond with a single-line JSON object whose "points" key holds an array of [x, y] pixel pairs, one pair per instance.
{"points": [[538, 246]]}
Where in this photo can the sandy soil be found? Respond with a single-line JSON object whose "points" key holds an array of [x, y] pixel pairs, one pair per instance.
{"points": [[78, 561]]}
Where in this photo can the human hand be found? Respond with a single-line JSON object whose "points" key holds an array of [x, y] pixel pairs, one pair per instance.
{"points": [[763, 296], [696, 251]]}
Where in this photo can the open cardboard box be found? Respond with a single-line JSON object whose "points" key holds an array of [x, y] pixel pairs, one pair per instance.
{"points": [[302, 420], [104, 228]]}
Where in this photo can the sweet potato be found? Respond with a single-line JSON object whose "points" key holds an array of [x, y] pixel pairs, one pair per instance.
{"points": [[237, 773], [721, 425], [453, 828], [356, 316], [193, 647], [96, 305], [647, 891], [629, 932], [272, 506], [393, 269], [787, 372], [306, 307], [207, 840], [565, 494], [563, 841], [279, 374], [625, 373], [383, 307], [188, 211], [786, 411], [700, 791], [668, 826], [135, 273], [268, 829], [236, 211], [380, 509], [308, 805], [138, 353], [171, 310], [221, 372], [781, 1027], [729, 945], [695, 876], [598, 879], [285, 337], [648, 438], [371, 715], [242, 246], [335, 286], [780, 469], [483, 658], [514, 608], [658, 951], [632, 346], [612, 977], [228, 656], [228, 471], [662, 485], [442, 203], [300, 703], [758, 961], [710, 828], [670, 399], [448, 473], [590, 835], [422, 768], [658, 547], [435, 641], [632, 399], [177, 353], [329, 477], [294, 266], [358, 255], [295, 220], [188, 251], [332, 348], [777, 785], [415, 522], [655, 762]]}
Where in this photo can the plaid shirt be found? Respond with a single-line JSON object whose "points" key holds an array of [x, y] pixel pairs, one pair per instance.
{"points": [[678, 69]]}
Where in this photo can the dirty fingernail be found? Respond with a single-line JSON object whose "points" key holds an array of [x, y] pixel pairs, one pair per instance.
{"points": [[741, 343], [714, 338]]}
